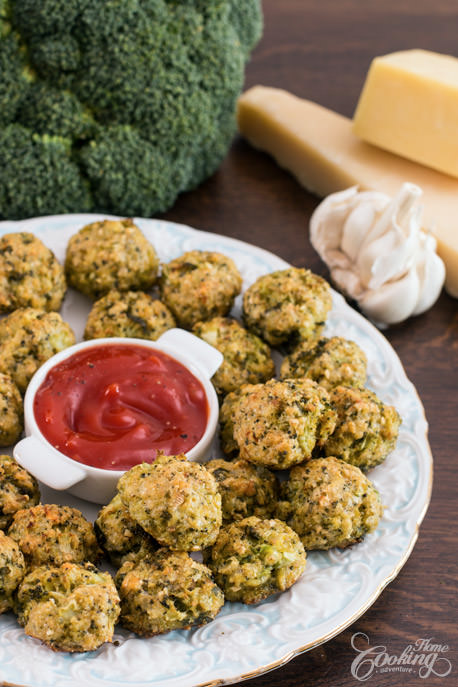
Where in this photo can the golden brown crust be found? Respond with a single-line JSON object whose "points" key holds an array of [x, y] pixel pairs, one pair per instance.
{"points": [[118, 534], [329, 362], [287, 306], [164, 591], [329, 503], [129, 313], [52, 534], [366, 430], [18, 490], [28, 337], [254, 558], [175, 500], [11, 411], [280, 423], [110, 254], [199, 285], [12, 571], [245, 489], [228, 444], [247, 359], [70, 607], [30, 275]]}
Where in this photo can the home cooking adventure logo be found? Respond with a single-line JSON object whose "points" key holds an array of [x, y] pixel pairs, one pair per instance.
{"points": [[425, 656]]}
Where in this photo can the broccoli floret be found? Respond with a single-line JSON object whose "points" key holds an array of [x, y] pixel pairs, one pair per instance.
{"points": [[150, 183], [14, 81], [245, 18], [143, 93], [5, 26], [37, 174], [46, 110], [45, 17]]}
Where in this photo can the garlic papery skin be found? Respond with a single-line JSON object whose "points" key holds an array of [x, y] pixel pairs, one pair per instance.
{"points": [[377, 252]]}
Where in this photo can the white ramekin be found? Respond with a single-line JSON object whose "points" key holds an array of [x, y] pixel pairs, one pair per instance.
{"points": [[58, 471]]}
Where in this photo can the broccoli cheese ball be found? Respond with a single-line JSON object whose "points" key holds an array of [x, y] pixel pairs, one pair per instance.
{"points": [[287, 306], [228, 444], [18, 490], [70, 607], [245, 489], [329, 362], [175, 500], [247, 359], [11, 411], [329, 503], [166, 590], [366, 429], [12, 570], [117, 532], [199, 285], [51, 535], [129, 313], [280, 423], [254, 558], [30, 275], [110, 254], [28, 337]]}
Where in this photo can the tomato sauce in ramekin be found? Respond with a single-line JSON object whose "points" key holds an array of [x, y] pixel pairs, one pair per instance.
{"points": [[113, 406]]}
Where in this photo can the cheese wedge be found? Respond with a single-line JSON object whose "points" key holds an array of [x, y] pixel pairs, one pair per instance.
{"points": [[319, 148], [409, 106]]}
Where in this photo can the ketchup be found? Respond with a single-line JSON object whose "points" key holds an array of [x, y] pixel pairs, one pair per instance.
{"points": [[116, 405]]}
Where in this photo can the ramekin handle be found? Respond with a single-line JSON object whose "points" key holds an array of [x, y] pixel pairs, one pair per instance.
{"points": [[200, 353], [46, 465]]}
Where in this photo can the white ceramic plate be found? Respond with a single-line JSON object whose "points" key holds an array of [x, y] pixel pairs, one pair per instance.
{"points": [[337, 587]]}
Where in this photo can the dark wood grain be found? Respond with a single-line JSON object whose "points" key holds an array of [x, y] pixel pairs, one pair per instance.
{"points": [[321, 50]]}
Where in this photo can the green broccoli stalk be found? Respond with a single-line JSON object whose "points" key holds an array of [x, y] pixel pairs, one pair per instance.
{"points": [[117, 105]]}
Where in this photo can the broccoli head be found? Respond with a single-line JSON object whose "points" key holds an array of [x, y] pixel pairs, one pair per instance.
{"points": [[117, 105]]}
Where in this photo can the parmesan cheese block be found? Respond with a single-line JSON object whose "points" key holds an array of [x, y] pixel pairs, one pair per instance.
{"points": [[409, 106], [319, 148]]}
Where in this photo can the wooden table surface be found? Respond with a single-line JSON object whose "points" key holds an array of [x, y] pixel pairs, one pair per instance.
{"points": [[321, 50]]}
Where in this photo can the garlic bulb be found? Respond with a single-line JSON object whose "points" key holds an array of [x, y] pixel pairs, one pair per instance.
{"points": [[377, 252]]}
